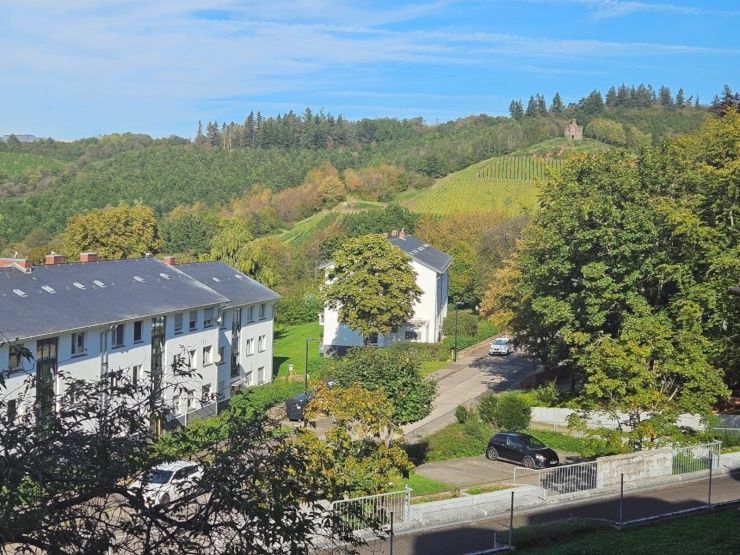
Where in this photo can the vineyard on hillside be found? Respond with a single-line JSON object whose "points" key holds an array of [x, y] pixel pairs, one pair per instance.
{"points": [[506, 184], [518, 167]]}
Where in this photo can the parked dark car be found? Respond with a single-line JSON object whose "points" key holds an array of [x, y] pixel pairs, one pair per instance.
{"points": [[296, 406], [521, 449]]}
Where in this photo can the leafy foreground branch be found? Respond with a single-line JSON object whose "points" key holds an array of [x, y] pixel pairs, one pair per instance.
{"points": [[64, 475]]}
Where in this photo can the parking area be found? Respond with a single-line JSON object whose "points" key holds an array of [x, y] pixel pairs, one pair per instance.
{"points": [[470, 471], [473, 471]]}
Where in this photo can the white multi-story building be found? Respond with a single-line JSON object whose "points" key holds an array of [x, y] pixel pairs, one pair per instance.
{"points": [[431, 267], [87, 318]]}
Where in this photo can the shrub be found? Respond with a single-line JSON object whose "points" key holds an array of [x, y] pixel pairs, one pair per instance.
{"points": [[423, 351], [299, 307], [467, 324], [457, 440], [512, 412], [463, 414], [487, 408], [399, 376]]}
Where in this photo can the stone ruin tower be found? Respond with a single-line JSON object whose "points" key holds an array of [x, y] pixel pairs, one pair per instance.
{"points": [[573, 131]]}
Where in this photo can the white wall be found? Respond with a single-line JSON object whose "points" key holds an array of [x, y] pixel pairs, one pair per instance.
{"points": [[217, 375]]}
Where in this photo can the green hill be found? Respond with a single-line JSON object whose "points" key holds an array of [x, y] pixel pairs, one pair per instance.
{"points": [[561, 148], [506, 184]]}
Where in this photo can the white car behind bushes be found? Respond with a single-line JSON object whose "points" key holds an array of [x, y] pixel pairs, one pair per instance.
{"points": [[501, 346], [167, 482]]}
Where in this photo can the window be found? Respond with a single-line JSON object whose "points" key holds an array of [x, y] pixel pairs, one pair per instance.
{"points": [[193, 362], [118, 336], [412, 335], [262, 311], [207, 317], [250, 314], [176, 404], [46, 371], [234, 364], [205, 394], [178, 324], [207, 355], [135, 374], [221, 320], [12, 405], [193, 320], [261, 342], [373, 338], [16, 356], [248, 378], [249, 347], [137, 331], [78, 343], [236, 321], [260, 375], [220, 355]]}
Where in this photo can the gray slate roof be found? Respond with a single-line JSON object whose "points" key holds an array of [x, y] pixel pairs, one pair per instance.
{"points": [[125, 290], [237, 287], [423, 253]]}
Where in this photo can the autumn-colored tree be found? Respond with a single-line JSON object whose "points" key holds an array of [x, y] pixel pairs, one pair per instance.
{"points": [[358, 455], [115, 232], [373, 285]]}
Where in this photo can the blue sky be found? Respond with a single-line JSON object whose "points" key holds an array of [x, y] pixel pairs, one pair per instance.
{"points": [[75, 68]]}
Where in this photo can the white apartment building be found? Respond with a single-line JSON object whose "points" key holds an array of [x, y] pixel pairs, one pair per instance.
{"points": [[431, 267], [87, 318]]}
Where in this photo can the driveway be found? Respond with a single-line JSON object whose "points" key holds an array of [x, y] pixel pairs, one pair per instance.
{"points": [[465, 381]]}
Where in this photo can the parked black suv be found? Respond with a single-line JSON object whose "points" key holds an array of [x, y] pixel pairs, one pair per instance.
{"points": [[521, 449]]}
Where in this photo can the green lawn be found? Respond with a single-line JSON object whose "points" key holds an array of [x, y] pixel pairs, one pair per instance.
{"points": [[705, 533], [290, 347], [431, 366], [559, 441], [420, 485]]}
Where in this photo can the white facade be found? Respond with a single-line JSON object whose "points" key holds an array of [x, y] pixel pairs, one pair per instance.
{"points": [[424, 327], [206, 345], [80, 321]]}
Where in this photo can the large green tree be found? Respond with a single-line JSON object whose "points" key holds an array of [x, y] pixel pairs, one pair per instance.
{"points": [[114, 232], [623, 274], [396, 373], [373, 285]]}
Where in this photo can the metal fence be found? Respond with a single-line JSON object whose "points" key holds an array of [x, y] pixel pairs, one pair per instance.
{"points": [[628, 491]]}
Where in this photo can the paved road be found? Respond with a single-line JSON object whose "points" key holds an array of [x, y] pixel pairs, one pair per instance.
{"points": [[462, 382], [478, 536]]}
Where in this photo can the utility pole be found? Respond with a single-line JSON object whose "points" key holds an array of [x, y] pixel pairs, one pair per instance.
{"points": [[305, 384], [454, 355]]}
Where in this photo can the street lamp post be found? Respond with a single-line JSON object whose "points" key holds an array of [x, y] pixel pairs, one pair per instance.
{"points": [[305, 384], [454, 354]]}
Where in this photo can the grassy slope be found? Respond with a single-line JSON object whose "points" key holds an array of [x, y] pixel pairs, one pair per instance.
{"points": [[15, 164], [561, 148], [706, 533], [290, 347]]}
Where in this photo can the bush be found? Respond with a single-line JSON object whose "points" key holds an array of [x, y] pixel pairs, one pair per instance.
{"points": [[487, 408], [463, 414], [512, 412], [467, 324], [299, 307], [547, 395], [457, 440], [399, 376], [422, 351]]}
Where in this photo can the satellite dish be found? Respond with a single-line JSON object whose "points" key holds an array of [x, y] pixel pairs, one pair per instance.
{"points": [[217, 358]]}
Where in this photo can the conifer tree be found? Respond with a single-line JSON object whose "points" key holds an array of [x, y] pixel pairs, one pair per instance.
{"points": [[516, 109], [556, 107]]}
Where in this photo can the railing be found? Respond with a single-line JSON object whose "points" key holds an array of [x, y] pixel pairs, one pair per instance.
{"points": [[697, 458], [373, 511]]}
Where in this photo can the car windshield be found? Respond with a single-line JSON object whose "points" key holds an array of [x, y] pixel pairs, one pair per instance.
{"points": [[532, 442], [158, 476], [501, 342]]}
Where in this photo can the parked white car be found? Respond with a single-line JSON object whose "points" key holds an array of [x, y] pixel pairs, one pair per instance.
{"points": [[501, 346], [167, 482]]}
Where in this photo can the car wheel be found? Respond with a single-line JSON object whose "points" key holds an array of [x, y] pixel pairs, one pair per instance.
{"points": [[528, 462], [492, 454], [164, 500]]}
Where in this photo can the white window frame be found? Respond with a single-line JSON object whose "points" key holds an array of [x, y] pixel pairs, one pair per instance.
{"points": [[263, 311], [78, 344], [178, 316], [207, 355], [262, 343], [208, 315], [192, 324], [249, 347], [114, 339]]}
